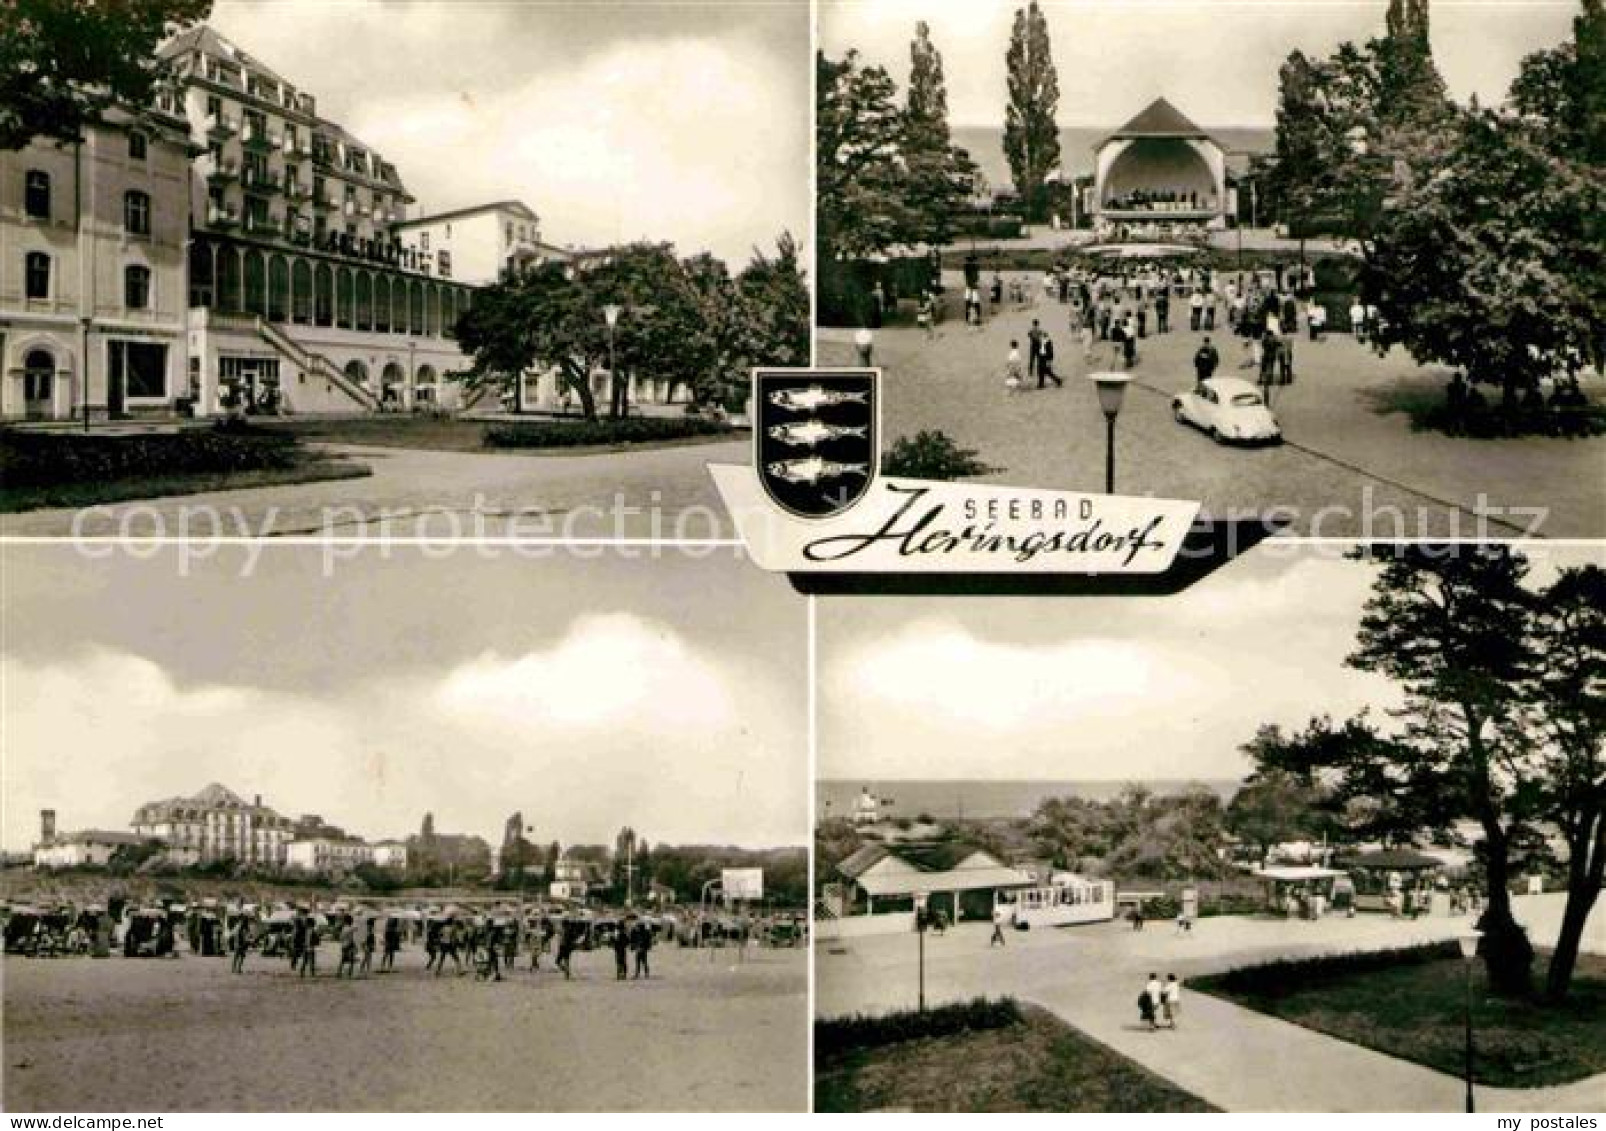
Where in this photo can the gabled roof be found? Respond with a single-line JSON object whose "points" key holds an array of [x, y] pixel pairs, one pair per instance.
{"points": [[216, 796], [211, 43], [1159, 119]]}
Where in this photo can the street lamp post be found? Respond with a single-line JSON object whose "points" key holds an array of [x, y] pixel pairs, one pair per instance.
{"points": [[1112, 389], [1468, 942], [610, 314]]}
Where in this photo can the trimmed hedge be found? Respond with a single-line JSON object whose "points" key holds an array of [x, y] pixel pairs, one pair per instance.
{"points": [[1291, 975], [589, 433], [838, 1035], [46, 459]]}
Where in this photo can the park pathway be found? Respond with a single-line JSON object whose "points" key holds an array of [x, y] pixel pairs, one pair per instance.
{"points": [[658, 493], [1233, 1057], [1351, 450]]}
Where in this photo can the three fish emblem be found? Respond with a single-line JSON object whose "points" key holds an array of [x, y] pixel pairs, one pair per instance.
{"points": [[815, 438]]}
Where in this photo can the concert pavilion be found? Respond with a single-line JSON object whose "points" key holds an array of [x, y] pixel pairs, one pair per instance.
{"points": [[1161, 168]]}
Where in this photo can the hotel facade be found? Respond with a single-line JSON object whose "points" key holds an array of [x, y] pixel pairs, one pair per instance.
{"points": [[225, 249], [93, 300]]}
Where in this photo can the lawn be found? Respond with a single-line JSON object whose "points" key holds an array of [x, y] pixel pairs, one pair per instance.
{"points": [[1411, 1007], [1038, 1063], [71, 469], [568, 435]]}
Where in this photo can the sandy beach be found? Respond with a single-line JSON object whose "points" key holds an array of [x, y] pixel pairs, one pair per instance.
{"points": [[706, 1033]]}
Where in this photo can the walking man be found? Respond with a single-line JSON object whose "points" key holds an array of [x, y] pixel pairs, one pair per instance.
{"points": [[240, 943], [621, 951], [392, 943], [306, 937], [1034, 351], [1045, 363], [1205, 361], [641, 943], [348, 948], [1155, 992], [1195, 311]]}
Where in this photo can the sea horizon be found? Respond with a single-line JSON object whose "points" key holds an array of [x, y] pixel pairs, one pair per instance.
{"points": [[970, 799]]}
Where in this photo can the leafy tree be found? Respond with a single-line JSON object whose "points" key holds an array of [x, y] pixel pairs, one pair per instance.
{"points": [[525, 321], [1031, 135], [64, 63], [1069, 830], [1492, 258], [1505, 722], [859, 171], [938, 175], [1570, 688], [835, 839], [554, 853], [768, 324], [686, 322], [1274, 806]]}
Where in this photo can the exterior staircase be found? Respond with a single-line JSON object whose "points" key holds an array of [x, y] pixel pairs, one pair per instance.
{"points": [[315, 364]]}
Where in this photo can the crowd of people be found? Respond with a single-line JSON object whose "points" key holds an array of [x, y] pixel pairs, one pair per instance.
{"points": [[487, 943]]}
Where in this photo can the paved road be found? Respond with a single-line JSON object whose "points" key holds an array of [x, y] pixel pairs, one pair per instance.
{"points": [[1352, 467], [1233, 1057], [659, 493]]}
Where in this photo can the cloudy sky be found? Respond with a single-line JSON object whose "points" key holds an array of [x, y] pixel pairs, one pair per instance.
{"points": [[1216, 60], [1100, 689], [588, 693], [680, 121]]}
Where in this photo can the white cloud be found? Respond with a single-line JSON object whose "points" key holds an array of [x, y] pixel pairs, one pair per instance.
{"points": [[620, 721]]}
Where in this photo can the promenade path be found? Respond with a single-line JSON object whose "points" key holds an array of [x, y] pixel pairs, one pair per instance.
{"points": [[1351, 466], [659, 493], [1233, 1057]]}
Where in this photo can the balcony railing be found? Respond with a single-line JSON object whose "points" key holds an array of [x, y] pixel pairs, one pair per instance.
{"points": [[259, 181], [222, 216], [220, 169], [260, 137], [222, 124], [268, 223], [323, 203]]}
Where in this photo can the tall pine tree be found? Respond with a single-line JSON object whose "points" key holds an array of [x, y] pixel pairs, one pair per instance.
{"points": [[1031, 135]]}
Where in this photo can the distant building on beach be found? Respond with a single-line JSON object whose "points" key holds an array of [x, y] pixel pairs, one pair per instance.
{"points": [[86, 848], [217, 824]]}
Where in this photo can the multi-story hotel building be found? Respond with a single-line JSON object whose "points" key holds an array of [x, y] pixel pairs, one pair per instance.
{"points": [[480, 245], [303, 295], [92, 270], [217, 824]]}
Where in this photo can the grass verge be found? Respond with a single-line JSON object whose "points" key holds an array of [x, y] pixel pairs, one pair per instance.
{"points": [[1409, 1003], [568, 436], [71, 469], [1033, 1062]]}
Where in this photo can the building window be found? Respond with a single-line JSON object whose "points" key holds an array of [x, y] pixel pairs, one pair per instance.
{"points": [[443, 260], [137, 213], [36, 194], [423, 241], [38, 275], [140, 368], [136, 146], [137, 287], [214, 106]]}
